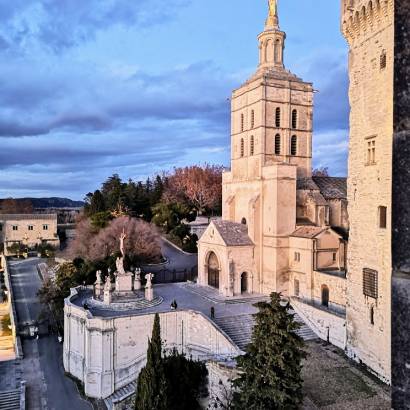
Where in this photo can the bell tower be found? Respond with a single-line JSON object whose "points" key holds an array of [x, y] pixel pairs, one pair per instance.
{"points": [[272, 113]]}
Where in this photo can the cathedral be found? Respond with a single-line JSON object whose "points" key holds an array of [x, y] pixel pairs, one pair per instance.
{"points": [[321, 241]]}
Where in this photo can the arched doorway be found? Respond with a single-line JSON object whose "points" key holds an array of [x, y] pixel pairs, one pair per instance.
{"points": [[244, 282], [325, 296], [213, 270]]}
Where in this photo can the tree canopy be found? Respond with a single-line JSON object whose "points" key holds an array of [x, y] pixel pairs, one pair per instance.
{"points": [[270, 371]]}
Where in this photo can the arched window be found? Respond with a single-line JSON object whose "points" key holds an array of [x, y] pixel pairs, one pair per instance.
{"points": [[294, 145], [252, 149], [277, 117], [243, 222], [252, 119], [294, 119], [242, 122], [242, 147], [277, 144], [325, 296]]}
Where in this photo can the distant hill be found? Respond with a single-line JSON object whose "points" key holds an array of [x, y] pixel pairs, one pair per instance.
{"points": [[53, 202]]}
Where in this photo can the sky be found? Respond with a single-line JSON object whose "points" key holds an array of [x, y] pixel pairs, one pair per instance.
{"points": [[97, 87]]}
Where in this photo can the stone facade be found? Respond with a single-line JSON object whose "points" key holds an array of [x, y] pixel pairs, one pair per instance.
{"points": [[368, 28], [29, 230]]}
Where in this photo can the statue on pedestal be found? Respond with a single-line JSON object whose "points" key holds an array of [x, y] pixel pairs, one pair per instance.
{"points": [[107, 291], [137, 279], [98, 284], [149, 291], [120, 260], [123, 279]]}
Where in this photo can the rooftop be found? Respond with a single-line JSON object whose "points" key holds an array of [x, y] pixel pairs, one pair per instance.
{"points": [[332, 187], [308, 232], [233, 233], [26, 217]]}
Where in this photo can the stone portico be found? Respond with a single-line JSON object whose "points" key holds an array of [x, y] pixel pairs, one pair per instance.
{"points": [[227, 253]]}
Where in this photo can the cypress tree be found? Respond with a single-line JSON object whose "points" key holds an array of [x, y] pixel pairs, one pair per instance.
{"points": [[271, 368], [151, 384]]}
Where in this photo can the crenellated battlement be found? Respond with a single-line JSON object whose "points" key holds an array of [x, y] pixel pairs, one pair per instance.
{"points": [[360, 17]]}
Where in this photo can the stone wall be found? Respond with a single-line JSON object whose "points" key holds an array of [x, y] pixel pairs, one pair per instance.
{"points": [[328, 326], [108, 353], [11, 308], [368, 28]]}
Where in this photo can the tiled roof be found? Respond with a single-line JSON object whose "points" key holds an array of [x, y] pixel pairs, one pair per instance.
{"points": [[25, 217], [308, 232], [233, 234], [306, 184], [332, 187]]}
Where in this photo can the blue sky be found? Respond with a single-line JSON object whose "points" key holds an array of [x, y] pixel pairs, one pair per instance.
{"points": [[96, 87]]}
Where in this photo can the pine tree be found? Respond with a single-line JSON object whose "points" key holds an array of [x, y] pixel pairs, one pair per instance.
{"points": [[152, 385], [271, 368]]}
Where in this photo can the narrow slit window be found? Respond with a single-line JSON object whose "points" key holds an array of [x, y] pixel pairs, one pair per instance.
{"points": [[242, 147], [242, 122], [382, 217], [294, 119], [277, 144], [252, 148], [277, 117], [252, 119], [383, 60], [294, 145]]}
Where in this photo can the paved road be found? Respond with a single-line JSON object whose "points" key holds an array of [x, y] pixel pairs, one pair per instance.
{"points": [[176, 259], [47, 386]]}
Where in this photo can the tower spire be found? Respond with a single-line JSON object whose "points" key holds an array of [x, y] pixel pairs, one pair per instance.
{"points": [[271, 40], [273, 20]]}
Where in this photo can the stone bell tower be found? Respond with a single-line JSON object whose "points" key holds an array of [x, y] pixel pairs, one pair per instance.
{"points": [[272, 113]]}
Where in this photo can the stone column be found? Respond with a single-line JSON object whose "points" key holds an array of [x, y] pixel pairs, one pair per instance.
{"points": [[400, 211]]}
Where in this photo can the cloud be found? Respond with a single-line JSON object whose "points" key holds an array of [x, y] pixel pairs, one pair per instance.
{"points": [[59, 25], [31, 107], [330, 150]]}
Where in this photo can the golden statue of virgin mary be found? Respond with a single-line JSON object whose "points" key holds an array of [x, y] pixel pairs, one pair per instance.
{"points": [[273, 8]]}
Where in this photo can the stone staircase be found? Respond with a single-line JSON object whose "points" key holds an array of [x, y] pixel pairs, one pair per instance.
{"points": [[10, 400], [119, 395], [239, 329]]}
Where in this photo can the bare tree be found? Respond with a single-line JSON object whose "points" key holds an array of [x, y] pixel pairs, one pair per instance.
{"points": [[321, 172], [199, 186], [143, 241]]}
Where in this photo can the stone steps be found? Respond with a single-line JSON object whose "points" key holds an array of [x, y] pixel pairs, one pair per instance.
{"points": [[120, 395], [10, 400], [239, 329]]}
